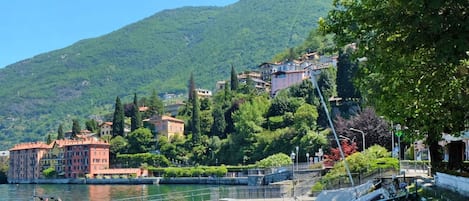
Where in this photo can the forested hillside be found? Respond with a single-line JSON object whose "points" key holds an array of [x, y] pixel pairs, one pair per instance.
{"points": [[159, 52]]}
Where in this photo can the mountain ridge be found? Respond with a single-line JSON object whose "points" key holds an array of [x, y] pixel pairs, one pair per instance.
{"points": [[158, 52]]}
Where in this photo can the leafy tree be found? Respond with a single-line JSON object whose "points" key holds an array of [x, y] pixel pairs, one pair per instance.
{"points": [[305, 117], [91, 125], [219, 124], [347, 147], [136, 118], [60, 132], [75, 128], [304, 90], [205, 104], [234, 79], [140, 140], [416, 68], [118, 145], [346, 71], [375, 128], [156, 105], [249, 120], [249, 86], [118, 120], [206, 121], [282, 104]]}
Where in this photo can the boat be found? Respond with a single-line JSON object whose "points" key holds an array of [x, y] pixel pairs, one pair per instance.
{"points": [[46, 198]]}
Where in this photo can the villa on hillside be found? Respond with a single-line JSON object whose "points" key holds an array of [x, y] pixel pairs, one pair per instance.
{"points": [[166, 126], [105, 128], [284, 79]]}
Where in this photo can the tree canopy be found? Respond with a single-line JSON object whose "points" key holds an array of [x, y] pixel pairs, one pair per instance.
{"points": [[416, 69]]}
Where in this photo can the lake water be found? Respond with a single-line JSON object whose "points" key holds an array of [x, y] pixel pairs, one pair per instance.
{"points": [[131, 192], [82, 192]]}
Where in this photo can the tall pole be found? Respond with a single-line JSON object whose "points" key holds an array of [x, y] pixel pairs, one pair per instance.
{"points": [[297, 149], [292, 156], [392, 139], [313, 78]]}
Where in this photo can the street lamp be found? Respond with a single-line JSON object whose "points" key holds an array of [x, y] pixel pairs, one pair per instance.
{"points": [[297, 149], [292, 156], [307, 158], [363, 136]]}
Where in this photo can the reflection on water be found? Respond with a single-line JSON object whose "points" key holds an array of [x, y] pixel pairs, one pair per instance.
{"points": [[14, 192], [89, 192]]}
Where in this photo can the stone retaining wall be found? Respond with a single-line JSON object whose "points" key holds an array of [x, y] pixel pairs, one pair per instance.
{"points": [[455, 183]]}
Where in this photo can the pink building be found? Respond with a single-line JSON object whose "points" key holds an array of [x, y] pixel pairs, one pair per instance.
{"points": [[69, 159], [284, 79], [84, 157], [25, 159]]}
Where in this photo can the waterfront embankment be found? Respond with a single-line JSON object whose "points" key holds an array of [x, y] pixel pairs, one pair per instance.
{"points": [[144, 180]]}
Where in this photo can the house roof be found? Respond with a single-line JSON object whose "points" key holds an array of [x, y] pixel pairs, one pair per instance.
{"points": [[289, 72], [60, 143], [30, 145], [169, 118], [164, 118], [106, 123], [143, 109]]}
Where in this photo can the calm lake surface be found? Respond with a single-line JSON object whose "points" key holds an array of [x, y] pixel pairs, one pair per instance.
{"points": [[79, 192], [133, 192], [107, 192]]}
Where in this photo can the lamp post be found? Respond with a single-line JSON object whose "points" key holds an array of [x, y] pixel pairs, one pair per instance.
{"points": [[297, 149], [292, 156], [307, 158], [363, 136]]}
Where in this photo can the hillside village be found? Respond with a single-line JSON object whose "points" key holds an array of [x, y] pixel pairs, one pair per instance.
{"points": [[87, 154]]}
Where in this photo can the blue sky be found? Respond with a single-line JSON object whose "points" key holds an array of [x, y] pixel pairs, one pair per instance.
{"points": [[32, 27]]}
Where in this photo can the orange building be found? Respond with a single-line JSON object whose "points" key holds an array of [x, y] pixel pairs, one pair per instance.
{"points": [[167, 126]]}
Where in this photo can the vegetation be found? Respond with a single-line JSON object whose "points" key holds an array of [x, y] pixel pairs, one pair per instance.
{"points": [[75, 82], [371, 160], [276, 160], [49, 172], [416, 62]]}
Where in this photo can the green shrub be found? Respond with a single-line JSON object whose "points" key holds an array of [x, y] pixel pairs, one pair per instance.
{"points": [[170, 172], [221, 171], [197, 172], [317, 187], [276, 160]]}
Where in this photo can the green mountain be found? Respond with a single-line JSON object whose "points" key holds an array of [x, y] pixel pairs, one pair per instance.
{"points": [[159, 52]]}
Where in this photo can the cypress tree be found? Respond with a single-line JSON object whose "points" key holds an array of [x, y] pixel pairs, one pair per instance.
{"points": [[234, 79], [49, 140], [60, 132], [118, 120], [346, 70], [219, 124], [191, 88], [195, 124], [75, 129], [135, 119]]}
